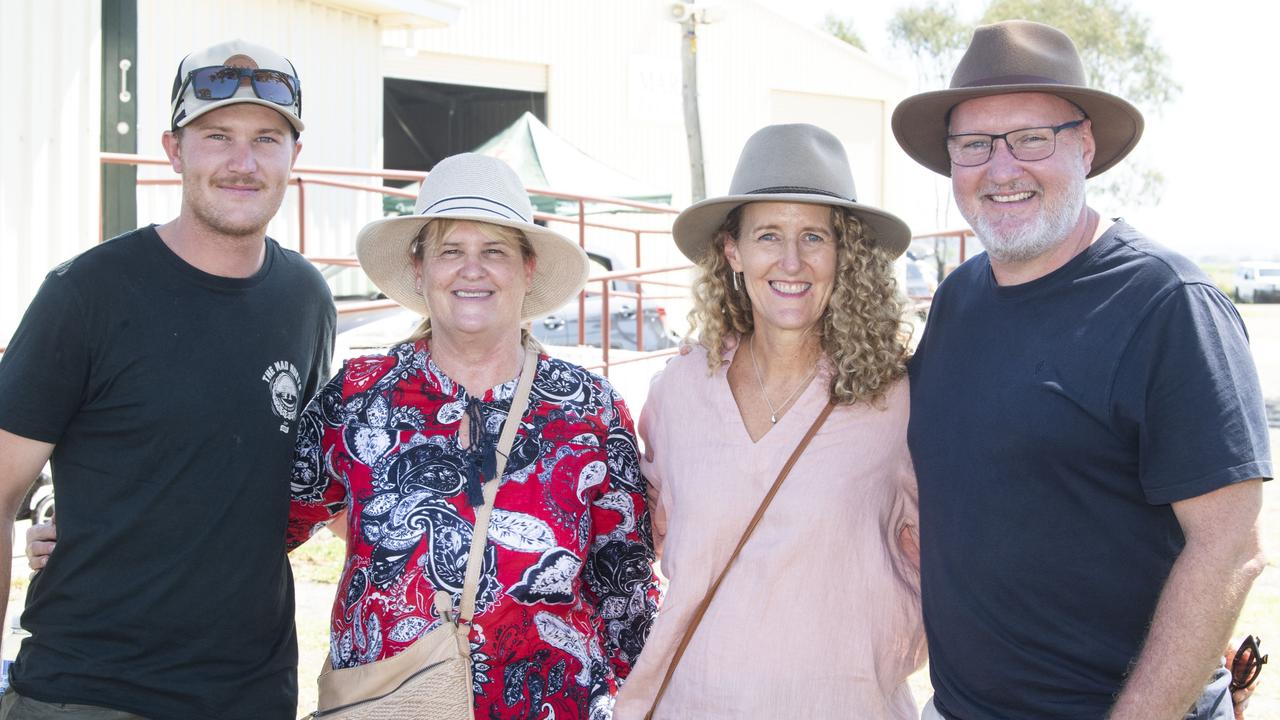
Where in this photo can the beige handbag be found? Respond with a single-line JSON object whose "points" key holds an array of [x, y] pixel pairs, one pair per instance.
{"points": [[431, 679]]}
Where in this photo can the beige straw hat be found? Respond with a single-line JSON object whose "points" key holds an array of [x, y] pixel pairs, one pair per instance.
{"points": [[481, 189]]}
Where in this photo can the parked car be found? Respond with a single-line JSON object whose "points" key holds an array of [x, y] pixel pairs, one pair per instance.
{"points": [[1257, 282], [355, 294], [918, 286], [37, 504], [561, 326]]}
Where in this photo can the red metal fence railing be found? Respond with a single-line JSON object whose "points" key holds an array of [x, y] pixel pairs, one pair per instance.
{"points": [[950, 246], [961, 237], [307, 175]]}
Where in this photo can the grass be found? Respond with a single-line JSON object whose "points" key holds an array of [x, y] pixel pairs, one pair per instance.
{"points": [[316, 564], [318, 560], [1261, 615]]}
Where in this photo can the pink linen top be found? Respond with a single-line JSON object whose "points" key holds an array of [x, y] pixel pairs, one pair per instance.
{"points": [[820, 615]]}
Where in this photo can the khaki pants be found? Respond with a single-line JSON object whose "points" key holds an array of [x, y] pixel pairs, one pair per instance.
{"points": [[928, 713], [15, 707]]}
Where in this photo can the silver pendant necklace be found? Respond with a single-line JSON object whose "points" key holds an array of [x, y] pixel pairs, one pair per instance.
{"points": [[773, 412]]}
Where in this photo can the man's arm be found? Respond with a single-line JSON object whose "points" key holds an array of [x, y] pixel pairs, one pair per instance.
{"points": [[21, 460], [1199, 604]]}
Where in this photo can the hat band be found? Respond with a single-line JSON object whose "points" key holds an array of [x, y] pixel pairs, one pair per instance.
{"points": [[1012, 80], [466, 203], [795, 190]]}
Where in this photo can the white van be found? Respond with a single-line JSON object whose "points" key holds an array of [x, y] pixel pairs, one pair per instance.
{"points": [[1257, 282]]}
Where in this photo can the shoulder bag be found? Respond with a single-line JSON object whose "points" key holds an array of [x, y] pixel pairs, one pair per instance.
{"points": [[431, 679]]}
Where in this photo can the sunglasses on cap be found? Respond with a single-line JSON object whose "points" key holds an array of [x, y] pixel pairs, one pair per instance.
{"points": [[219, 82]]}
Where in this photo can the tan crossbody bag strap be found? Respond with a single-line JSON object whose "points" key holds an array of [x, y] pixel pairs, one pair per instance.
{"points": [[475, 561], [751, 526], [384, 676]]}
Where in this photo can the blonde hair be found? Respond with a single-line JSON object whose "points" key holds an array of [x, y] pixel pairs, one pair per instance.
{"points": [[431, 234], [862, 328]]}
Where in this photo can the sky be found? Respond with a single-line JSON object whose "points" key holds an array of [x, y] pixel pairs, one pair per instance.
{"points": [[1218, 143]]}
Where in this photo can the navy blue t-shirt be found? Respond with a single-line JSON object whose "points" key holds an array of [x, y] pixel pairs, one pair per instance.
{"points": [[1052, 424]]}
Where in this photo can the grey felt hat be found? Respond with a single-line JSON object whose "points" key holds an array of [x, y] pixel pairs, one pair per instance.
{"points": [[788, 163], [481, 189], [1016, 56]]}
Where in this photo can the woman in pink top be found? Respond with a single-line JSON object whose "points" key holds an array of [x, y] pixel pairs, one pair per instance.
{"points": [[796, 304]]}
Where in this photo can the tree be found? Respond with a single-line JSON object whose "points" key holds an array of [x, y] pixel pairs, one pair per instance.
{"points": [[842, 28], [934, 37], [1114, 42], [1115, 45]]}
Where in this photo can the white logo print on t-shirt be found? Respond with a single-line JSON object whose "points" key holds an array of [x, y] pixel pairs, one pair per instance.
{"points": [[282, 377]]}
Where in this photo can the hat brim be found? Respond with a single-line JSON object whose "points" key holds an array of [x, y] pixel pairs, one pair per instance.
{"points": [[694, 228], [382, 248], [920, 122], [295, 121]]}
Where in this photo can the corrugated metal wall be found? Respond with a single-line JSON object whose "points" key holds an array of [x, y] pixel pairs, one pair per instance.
{"points": [[612, 78], [50, 55], [337, 56], [614, 82], [588, 48]]}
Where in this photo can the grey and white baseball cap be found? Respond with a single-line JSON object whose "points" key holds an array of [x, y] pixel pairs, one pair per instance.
{"points": [[235, 72]]}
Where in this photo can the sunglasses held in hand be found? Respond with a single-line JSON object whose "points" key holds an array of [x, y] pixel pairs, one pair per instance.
{"points": [[1247, 664]]}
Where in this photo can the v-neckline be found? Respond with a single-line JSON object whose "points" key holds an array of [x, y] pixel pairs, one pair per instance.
{"points": [[731, 403]]}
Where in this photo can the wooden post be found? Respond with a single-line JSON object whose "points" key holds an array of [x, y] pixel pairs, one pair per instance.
{"points": [[692, 124]]}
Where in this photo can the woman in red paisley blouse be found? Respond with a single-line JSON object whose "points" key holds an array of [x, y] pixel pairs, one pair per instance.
{"points": [[401, 441]]}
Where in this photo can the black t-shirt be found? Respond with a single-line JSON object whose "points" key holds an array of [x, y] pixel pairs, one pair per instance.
{"points": [[1052, 424], [171, 397]]}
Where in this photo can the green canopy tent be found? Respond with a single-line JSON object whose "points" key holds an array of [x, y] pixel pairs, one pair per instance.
{"points": [[545, 160]]}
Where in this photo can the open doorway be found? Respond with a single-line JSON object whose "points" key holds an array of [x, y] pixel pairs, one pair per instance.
{"points": [[424, 122]]}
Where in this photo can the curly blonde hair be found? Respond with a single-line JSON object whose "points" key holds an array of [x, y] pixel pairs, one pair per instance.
{"points": [[862, 328], [434, 232]]}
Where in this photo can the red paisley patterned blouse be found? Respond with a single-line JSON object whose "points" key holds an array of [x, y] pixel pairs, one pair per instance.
{"points": [[567, 593]]}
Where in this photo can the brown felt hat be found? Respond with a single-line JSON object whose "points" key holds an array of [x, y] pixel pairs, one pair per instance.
{"points": [[795, 163], [1016, 56]]}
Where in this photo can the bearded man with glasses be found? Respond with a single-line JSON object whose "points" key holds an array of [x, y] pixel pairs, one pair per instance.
{"points": [[162, 371], [1086, 425]]}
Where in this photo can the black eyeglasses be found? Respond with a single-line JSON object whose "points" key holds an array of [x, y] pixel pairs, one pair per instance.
{"points": [[1247, 664], [219, 82], [1027, 144]]}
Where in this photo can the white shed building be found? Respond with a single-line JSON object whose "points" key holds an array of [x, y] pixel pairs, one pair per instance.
{"points": [[400, 83]]}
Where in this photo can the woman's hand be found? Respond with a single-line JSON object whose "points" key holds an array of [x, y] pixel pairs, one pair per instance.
{"points": [[40, 543], [910, 544]]}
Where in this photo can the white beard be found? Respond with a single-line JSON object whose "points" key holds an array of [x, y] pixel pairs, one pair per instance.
{"points": [[1032, 240]]}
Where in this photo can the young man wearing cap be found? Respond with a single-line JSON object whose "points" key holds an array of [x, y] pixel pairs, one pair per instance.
{"points": [[1086, 421], [162, 372]]}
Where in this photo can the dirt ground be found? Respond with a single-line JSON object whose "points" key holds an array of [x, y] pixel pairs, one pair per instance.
{"points": [[316, 569], [1261, 615]]}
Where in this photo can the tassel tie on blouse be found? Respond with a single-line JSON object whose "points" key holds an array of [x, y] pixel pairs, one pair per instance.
{"points": [[482, 455]]}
